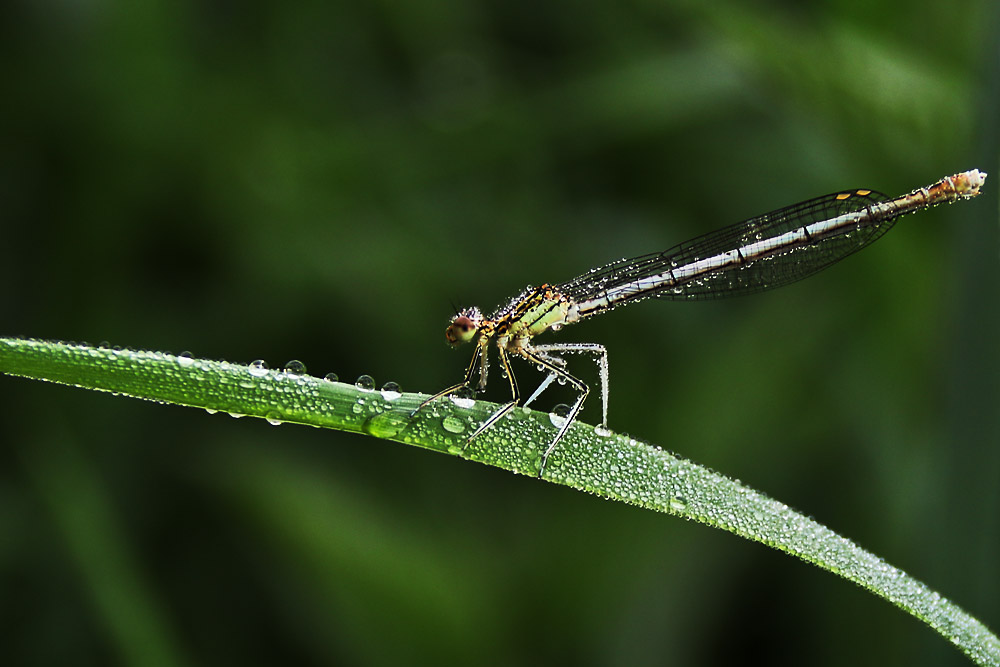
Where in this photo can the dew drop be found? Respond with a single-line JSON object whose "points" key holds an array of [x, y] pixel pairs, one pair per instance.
{"points": [[185, 359], [390, 391], [518, 414], [453, 424], [331, 377], [387, 424], [365, 383], [678, 504], [467, 403], [557, 419], [295, 367], [258, 368], [602, 431], [273, 417]]}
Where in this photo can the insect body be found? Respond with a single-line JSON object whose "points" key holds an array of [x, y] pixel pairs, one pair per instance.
{"points": [[761, 253]]}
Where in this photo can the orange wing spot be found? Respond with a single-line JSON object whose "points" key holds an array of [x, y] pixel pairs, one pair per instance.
{"points": [[844, 195], [863, 193]]}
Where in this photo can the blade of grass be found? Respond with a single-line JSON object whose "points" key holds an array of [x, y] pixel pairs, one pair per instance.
{"points": [[614, 466]]}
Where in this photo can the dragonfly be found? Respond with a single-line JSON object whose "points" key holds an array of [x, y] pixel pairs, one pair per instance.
{"points": [[758, 254]]}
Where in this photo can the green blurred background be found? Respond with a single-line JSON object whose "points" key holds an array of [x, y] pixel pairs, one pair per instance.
{"points": [[321, 181]]}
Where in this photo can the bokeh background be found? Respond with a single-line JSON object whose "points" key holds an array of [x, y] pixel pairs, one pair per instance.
{"points": [[322, 181]]}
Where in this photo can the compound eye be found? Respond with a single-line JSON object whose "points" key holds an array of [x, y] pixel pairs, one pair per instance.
{"points": [[461, 330]]}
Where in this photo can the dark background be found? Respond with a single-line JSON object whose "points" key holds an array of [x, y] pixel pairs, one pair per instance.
{"points": [[322, 180]]}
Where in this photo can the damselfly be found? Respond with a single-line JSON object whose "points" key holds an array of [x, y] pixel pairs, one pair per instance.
{"points": [[768, 251]]}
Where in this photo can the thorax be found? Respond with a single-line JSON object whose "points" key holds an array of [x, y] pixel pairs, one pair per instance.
{"points": [[531, 313]]}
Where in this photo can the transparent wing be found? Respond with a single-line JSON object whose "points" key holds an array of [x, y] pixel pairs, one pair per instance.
{"points": [[780, 268]]}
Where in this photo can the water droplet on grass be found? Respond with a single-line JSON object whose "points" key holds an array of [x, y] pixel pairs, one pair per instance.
{"points": [[453, 424], [258, 368], [559, 414], [295, 367], [387, 424], [467, 403], [365, 383]]}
